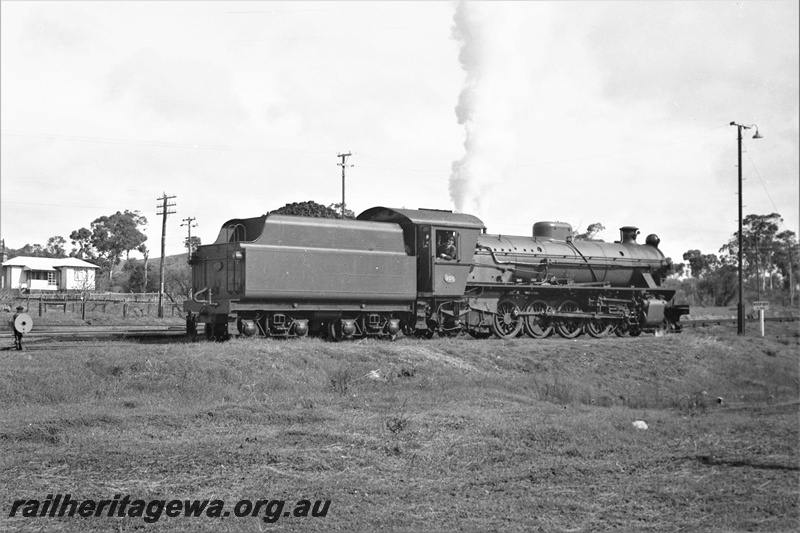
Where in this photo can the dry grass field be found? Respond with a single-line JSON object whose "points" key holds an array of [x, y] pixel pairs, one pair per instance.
{"points": [[440, 435]]}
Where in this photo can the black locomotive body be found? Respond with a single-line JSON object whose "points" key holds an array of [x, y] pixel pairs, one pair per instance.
{"points": [[424, 272]]}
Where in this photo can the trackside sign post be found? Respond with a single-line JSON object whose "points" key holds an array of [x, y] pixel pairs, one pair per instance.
{"points": [[761, 307]]}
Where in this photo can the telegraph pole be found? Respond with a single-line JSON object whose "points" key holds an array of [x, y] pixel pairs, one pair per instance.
{"points": [[165, 210], [189, 227], [343, 165], [740, 316], [190, 245]]}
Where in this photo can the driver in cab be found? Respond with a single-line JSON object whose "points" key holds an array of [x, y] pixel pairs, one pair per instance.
{"points": [[447, 250]]}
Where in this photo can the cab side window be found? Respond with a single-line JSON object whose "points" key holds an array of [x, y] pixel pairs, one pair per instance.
{"points": [[446, 245]]}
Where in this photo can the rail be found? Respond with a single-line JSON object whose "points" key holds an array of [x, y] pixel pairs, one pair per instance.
{"points": [[84, 332], [704, 322]]}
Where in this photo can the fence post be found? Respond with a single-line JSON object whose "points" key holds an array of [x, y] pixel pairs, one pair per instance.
{"points": [[83, 308], [125, 308], [40, 305]]}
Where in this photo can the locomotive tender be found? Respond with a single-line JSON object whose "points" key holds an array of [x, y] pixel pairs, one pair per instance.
{"points": [[382, 273]]}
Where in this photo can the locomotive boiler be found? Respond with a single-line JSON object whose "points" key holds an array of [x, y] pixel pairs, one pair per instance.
{"points": [[548, 282], [387, 272]]}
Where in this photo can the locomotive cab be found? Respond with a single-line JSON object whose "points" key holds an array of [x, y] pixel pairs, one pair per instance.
{"points": [[427, 232]]}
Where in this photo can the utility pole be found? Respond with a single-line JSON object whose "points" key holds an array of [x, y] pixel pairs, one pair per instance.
{"points": [[740, 318], [189, 227], [344, 165], [165, 210], [190, 245]]}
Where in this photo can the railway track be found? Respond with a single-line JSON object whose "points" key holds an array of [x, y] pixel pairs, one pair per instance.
{"points": [[56, 330], [55, 334], [63, 329], [705, 322], [44, 336]]}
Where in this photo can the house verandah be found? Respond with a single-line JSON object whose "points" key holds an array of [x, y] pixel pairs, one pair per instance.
{"points": [[47, 274]]}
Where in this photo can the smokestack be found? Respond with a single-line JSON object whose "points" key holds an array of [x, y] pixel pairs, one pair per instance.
{"points": [[628, 234]]}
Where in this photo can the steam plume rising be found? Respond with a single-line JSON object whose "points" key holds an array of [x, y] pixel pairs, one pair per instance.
{"points": [[491, 99]]}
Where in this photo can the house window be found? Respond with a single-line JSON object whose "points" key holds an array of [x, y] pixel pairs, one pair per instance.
{"points": [[80, 275], [52, 278]]}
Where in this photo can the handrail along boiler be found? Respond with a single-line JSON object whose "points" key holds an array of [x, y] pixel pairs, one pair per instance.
{"points": [[380, 274]]}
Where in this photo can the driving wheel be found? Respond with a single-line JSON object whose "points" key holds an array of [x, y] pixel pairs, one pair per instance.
{"points": [[536, 327], [569, 327], [507, 323]]}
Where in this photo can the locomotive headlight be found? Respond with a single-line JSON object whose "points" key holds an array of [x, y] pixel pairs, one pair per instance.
{"points": [[238, 256]]}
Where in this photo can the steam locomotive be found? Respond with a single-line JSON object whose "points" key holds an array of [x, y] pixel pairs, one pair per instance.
{"points": [[385, 273]]}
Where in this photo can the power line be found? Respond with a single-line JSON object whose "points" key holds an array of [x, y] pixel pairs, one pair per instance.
{"points": [[162, 144], [644, 148], [57, 205], [761, 180]]}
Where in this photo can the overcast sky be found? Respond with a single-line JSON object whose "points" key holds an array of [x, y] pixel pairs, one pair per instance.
{"points": [[582, 112]]}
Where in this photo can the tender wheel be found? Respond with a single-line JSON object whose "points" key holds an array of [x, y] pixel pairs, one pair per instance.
{"points": [[536, 327], [599, 328], [569, 328], [424, 333], [332, 333], [427, 333], [507, 323]]}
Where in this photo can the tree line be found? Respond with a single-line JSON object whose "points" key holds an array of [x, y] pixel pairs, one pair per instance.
{"points": [[104, 243], [770, 259]]}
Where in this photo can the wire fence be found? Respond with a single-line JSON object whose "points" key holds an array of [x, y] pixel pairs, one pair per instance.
{"points": [[119, 304]]}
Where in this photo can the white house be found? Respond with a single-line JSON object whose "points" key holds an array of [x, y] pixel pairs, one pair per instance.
{"points": [[48, 274]]}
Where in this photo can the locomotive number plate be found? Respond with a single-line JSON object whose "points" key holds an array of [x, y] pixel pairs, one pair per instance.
{"points": [[449, 278]]}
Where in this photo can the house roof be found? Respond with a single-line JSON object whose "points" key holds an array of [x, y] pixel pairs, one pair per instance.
{"points": [[73, 262], [47, 263]]}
